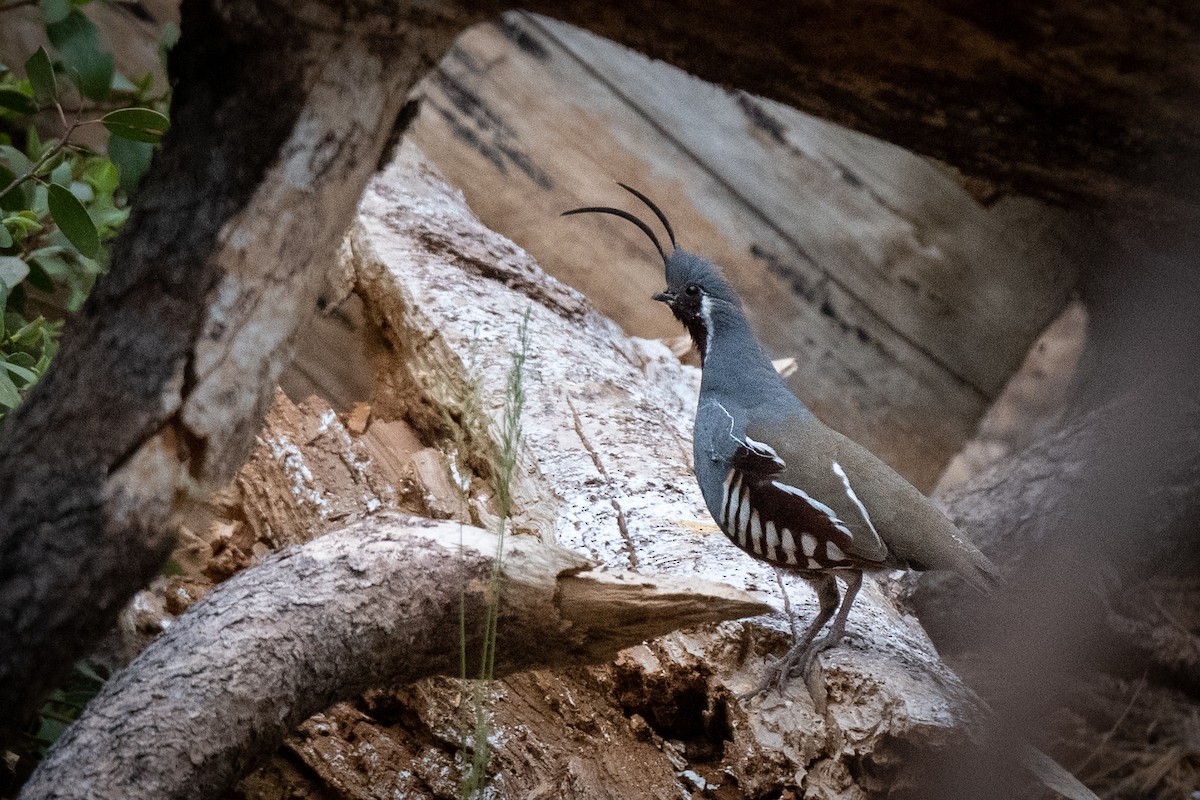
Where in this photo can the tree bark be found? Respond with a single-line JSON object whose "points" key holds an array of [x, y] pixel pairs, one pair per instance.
{"points": [[279, 117], [373, 604]]}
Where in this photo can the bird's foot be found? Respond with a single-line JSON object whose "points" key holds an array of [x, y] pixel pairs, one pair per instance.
{"points": [[796, 662]]}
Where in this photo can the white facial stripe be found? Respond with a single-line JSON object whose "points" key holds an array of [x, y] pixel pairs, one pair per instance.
{"points": [[706, 315], [817, 504], [841, 473]]}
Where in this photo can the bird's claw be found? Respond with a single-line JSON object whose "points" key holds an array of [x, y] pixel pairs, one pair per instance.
{"points": [[796, 662]]}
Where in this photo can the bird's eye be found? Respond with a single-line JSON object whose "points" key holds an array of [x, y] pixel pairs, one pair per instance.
{"points": [[692, 289]]}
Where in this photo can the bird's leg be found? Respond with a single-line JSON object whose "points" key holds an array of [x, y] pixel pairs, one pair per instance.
{"points": [[778, 673], [787, 605], [827, 595], [837, 630]]}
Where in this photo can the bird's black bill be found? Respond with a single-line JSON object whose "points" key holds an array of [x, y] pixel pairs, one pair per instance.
{"points": [[664, 297]]}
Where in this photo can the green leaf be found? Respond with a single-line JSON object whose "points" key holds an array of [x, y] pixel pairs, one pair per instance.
{"points": [[132, 160], [9, 396], [51, 263], [16, 100], [38, 278], [78, 42], [41, 77], [17, 160], [79, 290], [13, 200], [30, 332], [13, 270], [73, 220], [40, 203], [23, 360], [6, 239], [137, 124], [23, 222], [28, 376], [61, 174], [102, 174], [55, 10], [33, 143]]}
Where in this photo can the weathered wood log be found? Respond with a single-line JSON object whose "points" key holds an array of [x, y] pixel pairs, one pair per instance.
{"points": [[370, 605]]}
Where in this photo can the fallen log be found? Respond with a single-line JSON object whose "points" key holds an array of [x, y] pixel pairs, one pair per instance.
{"points": [[373, 604]]}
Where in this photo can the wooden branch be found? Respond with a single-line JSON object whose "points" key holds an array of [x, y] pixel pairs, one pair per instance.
{"points": [[370, 605]]}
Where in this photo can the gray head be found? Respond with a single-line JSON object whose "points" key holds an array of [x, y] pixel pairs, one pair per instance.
{"points": [[695, 286]]}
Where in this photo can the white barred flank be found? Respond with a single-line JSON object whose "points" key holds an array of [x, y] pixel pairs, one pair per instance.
{"points": [[749, 528], [769, 531], [743, 517], [789, 546], [809, 544], [772, 544]]}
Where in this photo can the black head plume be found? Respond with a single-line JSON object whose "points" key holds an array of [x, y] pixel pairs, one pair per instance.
{"points": [[627, 216], [657, 211]]}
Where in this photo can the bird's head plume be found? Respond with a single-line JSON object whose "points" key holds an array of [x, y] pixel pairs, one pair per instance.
{"points": [[694, 284]]}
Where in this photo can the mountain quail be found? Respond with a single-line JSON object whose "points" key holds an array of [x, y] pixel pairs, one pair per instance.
{"points": [[780, 484]]}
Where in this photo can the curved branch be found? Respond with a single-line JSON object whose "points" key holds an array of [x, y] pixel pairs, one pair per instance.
{"points": [[373, 604]]}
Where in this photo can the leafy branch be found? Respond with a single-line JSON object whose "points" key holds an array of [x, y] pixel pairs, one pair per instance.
{"points": [[59, 201]]}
